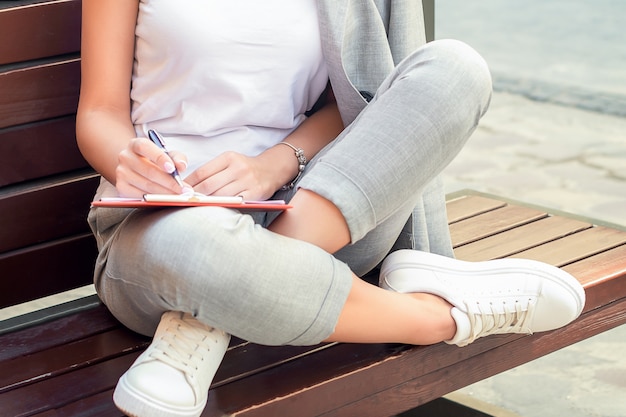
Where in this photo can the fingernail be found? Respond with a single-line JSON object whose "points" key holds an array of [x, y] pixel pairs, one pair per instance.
{"points": [[169, 167], [188, 190]]}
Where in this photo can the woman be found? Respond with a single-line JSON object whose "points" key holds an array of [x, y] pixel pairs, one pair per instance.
{"points": [[337, 107]]}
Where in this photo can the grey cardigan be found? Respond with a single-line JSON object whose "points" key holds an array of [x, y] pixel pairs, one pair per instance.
{"points": [[363, 40]]}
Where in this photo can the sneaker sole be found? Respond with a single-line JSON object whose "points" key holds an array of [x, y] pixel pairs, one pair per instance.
{"points": [[409, 259], [134, 404]]}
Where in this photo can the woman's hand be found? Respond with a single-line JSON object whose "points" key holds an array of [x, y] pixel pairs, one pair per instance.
{"points": [[259, 177], [144, 168], [231, 173]]}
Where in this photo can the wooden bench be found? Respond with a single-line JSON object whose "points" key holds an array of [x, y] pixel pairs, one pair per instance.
{"points": [[66, 359]]}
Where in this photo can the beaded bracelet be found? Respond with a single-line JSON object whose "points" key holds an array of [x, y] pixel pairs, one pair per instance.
{"points": [[301, 165]]}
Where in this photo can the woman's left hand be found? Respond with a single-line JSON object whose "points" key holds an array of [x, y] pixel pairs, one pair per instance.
{"points": [[232, 173], [259, 177]]}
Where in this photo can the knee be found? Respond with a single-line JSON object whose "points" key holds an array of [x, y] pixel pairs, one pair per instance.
{"points": [[459, 56], [455, 74], [449, 65], [459, 62], [175, 244]]}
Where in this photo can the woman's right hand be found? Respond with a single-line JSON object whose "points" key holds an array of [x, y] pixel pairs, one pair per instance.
{"points": [[144, 168]]}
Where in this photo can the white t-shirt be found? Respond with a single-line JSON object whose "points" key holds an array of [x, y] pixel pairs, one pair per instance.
{"points": [[216, 75]]}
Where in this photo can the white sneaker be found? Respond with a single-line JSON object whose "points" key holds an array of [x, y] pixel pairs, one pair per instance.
{"points": [[492, 297], [172, 377]]}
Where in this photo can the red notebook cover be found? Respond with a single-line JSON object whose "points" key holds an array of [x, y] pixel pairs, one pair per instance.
{"points": [[166, 200]]}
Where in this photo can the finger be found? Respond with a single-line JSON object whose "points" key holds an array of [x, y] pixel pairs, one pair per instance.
{"points": [[145, 148], [144, 174], [180, 160], [207, 171], [128, 191], [132, 184], [232, 189], [228, 183], [236, 177], [216, 184]]}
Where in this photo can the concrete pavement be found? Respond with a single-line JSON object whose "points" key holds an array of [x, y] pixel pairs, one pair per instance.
{"points": [[559, 157]]}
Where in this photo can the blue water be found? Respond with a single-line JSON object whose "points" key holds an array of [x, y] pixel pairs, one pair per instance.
{"points": [[569, 52]]}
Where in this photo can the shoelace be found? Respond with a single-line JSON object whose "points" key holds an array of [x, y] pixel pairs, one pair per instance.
{"points": [[183, 345], [514, 319]]}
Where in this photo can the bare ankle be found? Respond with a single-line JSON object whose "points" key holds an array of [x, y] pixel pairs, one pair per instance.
{"points": [[434, 319]]}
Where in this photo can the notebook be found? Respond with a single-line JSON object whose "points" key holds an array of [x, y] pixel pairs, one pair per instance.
{"points": [[194, 200]]}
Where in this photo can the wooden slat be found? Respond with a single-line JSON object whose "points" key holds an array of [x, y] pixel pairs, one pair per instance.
{"points": [[102, 349], [98, 405], [293, 386], [39, 150], [468, 206], [493, 222], [82, 350], [39, 30], [520, 238], [46, 269], [54, 210], [276, 386], [40, 92], [68, 357], [601, 268], [255, 361], [58, 332], [575, 247], [248, 359], [603, 276], [54, 392]]}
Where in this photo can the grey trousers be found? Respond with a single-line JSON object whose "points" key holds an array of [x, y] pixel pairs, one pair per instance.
{"points": [[382, 172]]}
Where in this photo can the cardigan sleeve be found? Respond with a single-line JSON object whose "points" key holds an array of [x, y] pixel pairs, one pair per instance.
{"points": [[363, 41], [404, 22]]}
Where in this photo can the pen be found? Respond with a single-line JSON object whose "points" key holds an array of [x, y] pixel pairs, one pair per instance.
{"points": [[158, 141]]}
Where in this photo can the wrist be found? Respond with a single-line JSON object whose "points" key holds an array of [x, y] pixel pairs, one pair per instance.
{"points": [[281, 166], [300, 159]]}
